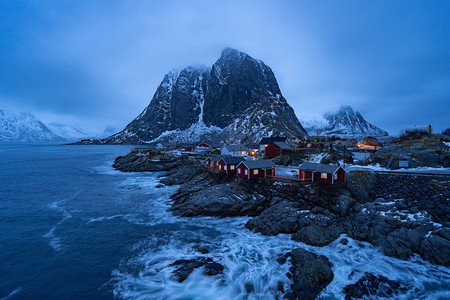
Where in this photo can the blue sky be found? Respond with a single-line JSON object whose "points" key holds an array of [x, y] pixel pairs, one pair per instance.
{"points": [[98, 63]]}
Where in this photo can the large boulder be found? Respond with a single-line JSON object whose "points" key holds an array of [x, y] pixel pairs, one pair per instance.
{"points": [[184, 267], [375, 286], [317, 236], [311, 273], [221, 200], [437, 249], [135, 162], [283, 217]]}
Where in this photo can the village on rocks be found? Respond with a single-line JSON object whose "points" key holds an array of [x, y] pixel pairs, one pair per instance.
{"points": [[394, 195]]}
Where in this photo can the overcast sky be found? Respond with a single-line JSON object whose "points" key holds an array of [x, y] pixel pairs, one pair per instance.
{"points": [[98, 63]]}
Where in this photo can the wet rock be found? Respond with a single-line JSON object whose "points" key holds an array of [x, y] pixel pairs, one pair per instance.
{"points": [[375, 286], [134, 162], [317, 236], [201, 249], [436, 249], [344, 204], [184, 267], [344, 241], [200, 197], [283, 217], [310, 273], [180, 175]]}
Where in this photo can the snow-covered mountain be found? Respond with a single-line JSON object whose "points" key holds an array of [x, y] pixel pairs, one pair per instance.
{"points": [[237, 99], [344, 123], [68, 132], [24, 128]]}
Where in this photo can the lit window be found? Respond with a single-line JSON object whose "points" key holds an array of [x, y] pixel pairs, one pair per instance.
{"points": [[239, 171], [232, 167], [220, 167], [255, 172], [335, 176], [324, 175], [246, 172]]}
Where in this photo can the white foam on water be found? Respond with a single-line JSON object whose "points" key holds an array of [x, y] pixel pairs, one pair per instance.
{"points": [[100, 219], [55, 241], [13, 293], [251, 270], [351, 261]]}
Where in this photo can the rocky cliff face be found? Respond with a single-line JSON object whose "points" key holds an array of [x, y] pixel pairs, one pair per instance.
{"points": [[346, 123], [237, 99]]}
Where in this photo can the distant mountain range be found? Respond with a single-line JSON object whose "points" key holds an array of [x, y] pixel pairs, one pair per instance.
{"points": [[237, 99], [344, 123], [69, 133], [24, 128]]}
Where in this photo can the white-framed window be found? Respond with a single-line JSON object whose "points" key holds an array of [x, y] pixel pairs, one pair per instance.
{"points": [[324, 175], [335, 176], [255, 172], [246, 172], [232, 167], [239, 171], [220, 167]]}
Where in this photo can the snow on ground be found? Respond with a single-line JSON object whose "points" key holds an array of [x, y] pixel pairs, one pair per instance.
{"points": [[377, 167], [285, 171], [316, 158]]}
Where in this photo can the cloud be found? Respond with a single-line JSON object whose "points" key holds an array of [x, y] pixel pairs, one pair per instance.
{"points": [[103, 61]]}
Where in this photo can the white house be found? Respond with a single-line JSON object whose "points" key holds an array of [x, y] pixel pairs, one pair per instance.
{"points": [[234, 150]]}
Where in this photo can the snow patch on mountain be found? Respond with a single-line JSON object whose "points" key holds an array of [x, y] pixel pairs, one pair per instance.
{"points": [[24, 128], [236, 99], [344, 123], [68, 132]]}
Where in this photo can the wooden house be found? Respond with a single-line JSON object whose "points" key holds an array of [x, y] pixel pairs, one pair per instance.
{"points": [[188, 147], [275, 149], [266, 141], [203, 146], [321, 173], [251, 169], [147, 151], [228, 164], [234, 150], [212, 161]]}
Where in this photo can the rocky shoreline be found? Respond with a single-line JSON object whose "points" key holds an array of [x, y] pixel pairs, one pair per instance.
{"points": [[401, 215]]}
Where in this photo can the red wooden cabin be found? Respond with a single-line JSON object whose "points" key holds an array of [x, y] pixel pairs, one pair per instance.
{"points": [[203, 146], [321, 173], [251, 169], [188, 147], [212, 161], [275, 149], [228, 164]]}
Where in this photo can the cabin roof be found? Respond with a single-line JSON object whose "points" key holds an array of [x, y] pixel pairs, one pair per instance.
{"points": [[282, 145], [232, 159], [253, 146], [315, 167], [236, 147], [215, 157], [270, 140], [259, 164]]}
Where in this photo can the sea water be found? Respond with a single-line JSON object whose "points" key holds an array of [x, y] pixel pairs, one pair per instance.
{"points": [[71, 227]]}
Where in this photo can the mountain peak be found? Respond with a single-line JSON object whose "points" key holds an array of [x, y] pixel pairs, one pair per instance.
{"points": [[231, 52], [237, 99], [346, 109], [345, 123], [24, 127]]}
